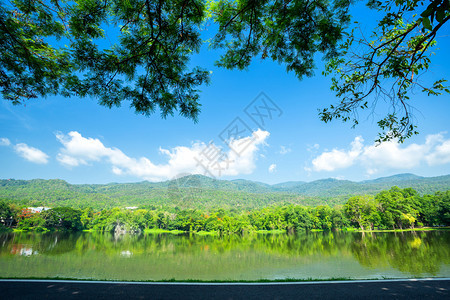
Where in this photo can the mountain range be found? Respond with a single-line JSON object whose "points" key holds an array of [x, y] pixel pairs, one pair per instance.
{"points": [[329, 187], [198, 191]]}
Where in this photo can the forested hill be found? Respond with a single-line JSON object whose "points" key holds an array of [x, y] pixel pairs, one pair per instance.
{"points": [[335, 188], [197, 191]]}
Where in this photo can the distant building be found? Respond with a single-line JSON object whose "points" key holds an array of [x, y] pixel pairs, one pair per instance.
{"points": [[131, 207], [38, 209], [8, 222]]}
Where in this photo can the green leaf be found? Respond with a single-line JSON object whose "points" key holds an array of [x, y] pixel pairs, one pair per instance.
{"points": [[440, 14], [427, 12], [426, 23]]}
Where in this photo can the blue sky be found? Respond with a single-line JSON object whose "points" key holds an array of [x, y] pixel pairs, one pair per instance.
{"points": [[81, 142]]}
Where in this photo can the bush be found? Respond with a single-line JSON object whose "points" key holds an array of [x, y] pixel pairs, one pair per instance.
{"points": [[3, 228]]}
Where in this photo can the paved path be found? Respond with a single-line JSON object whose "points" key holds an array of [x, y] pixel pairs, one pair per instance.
{"points": [[376, 289]]}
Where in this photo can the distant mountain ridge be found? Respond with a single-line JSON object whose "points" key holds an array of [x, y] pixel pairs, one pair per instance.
{"points": [[330, 187], [193, 191], [398, 177], [334, 187]]}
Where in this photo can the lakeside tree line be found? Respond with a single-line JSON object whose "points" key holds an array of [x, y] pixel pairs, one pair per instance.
{"points": [[204, 193], [390, 209]]}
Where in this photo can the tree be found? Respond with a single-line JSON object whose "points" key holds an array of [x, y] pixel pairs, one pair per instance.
{"points": [[443, 207], [362, 211], [147, 65], [86, 217], [139, 51], [389, 65], [287, 32], [396, 207], [28, 219], [5, 210], [7, 214], [322, 217], [65, 218], [408, 220]]}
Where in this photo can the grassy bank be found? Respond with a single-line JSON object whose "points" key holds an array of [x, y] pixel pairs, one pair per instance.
{"points": [[274, 231], [408, 229], [214, 281], [216, 233], [157, 230]]}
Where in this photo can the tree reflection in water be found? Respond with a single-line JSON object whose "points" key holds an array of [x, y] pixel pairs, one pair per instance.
{"points": [[165, 256]]}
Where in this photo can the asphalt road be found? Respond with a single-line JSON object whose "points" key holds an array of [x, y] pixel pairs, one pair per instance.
{"points": [[411, 289]]}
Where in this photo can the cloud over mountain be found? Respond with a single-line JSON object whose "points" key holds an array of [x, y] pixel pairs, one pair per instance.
{"points": [[388, 155], [198, 158]]}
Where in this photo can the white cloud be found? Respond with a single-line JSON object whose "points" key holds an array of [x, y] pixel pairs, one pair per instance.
{"points": [[68, 160], [4, 142], [388, 155], [313, 148], [441, 155], [338, 159], [79, 150], [392, 155], [199, 158], [31, 154], [285, 150], [272, 168]]}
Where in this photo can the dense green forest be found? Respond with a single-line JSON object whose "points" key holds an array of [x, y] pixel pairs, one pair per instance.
{"points": [[204, 193], [395, 208]]}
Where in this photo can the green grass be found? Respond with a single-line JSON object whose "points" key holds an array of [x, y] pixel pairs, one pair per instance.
{"points": [[34, 229], [212, 281], [408, 229], [349, 229], [155, 230], [274, 231]]}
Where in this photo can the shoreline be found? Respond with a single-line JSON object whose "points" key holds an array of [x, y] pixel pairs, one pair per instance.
{"points": [[216, 233], [198, 281]]}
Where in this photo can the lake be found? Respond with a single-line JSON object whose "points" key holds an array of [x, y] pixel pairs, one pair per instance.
{"points": [[316, 255]]}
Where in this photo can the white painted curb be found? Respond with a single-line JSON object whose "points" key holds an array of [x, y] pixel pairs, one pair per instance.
{"points": [[226, 283]]}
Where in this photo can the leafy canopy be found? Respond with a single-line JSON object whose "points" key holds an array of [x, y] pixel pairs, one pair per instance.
{"points": [[388, 65], [139, 50]]}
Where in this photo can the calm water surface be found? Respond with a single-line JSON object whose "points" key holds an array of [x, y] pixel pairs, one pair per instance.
{"points": [[165, 256]]}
